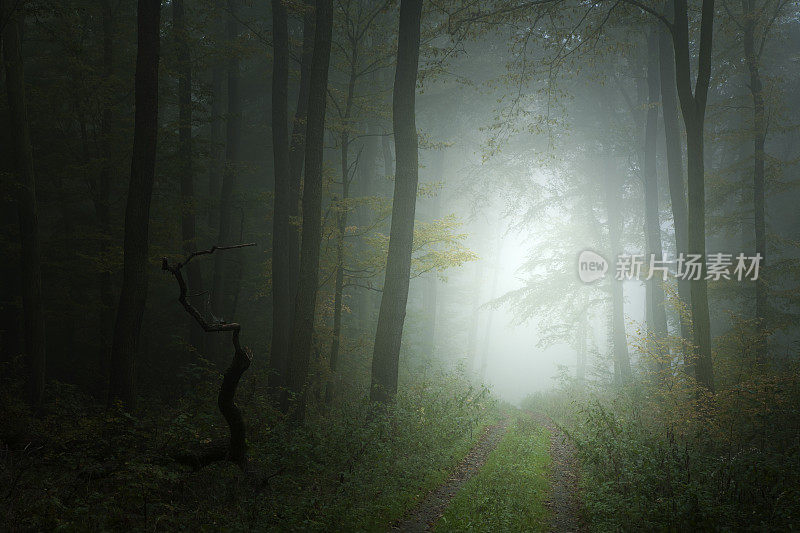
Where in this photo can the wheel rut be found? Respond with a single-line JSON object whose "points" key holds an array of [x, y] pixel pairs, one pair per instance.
{"points": [[424, 515]]}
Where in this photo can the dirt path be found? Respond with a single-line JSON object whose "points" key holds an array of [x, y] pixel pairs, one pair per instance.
{"points": [[425, 514], [563, 502]]}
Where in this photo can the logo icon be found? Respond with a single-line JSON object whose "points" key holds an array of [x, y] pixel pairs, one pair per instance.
{"points": [[591, 266]]}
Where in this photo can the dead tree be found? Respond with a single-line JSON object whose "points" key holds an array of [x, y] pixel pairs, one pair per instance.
{"points": [[236, 449]]}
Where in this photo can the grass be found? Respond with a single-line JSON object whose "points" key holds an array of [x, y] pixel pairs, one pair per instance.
{"points": [[509, 491]]}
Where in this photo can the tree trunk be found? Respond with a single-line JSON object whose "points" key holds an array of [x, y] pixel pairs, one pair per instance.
{"points": [[672, 134], [33, 309], [655, 296], [185, 171], [222, 297], [759, 137], [693, 107], [281, 296], [137, 211], [472, 332], [487, 337], [282, 325], [341, 218], [386, 352], [305, 302], [619, 339]]}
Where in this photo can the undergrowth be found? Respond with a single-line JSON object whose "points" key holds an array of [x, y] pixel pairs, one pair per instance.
{"points": [[79, 466]]}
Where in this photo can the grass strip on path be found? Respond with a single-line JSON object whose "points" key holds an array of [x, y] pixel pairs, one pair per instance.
{"points": [[509, 492]]}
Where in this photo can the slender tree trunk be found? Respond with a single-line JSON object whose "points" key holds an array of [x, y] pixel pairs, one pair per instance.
{"points": [[472, 333], [137, 211], [389, 334], [33, 309], [215, 166], [487, 337], [430, 294], [622, 362], [222, 296], [281, 297], [102, 191], [279, 357], [580, 368], [341, 216], [305, 302], [759, 139], [188, 214], [693, 107], [655, 297], [677, 192]]}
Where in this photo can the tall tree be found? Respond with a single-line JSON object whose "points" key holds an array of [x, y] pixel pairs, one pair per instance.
{"points": [[281, 295], [137, 211], [222, 296], [185, 170], [672, 137], [753, 47], [612, 190], [33, 309], [693, 107], [389, 334], [305, 302], [655, 291], [287, 249]]}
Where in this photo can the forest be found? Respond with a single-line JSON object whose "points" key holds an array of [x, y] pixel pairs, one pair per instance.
{"points": [[400, 265]]}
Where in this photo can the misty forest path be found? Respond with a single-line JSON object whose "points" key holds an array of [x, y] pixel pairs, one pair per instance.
{"points": [[560, 497], [563, 502], [424, 515]]}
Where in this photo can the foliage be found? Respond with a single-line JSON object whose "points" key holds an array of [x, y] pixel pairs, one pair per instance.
{"points": [[80, 467]]}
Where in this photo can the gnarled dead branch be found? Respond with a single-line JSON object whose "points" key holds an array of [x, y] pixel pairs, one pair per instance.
{"points": [[237, 448]]}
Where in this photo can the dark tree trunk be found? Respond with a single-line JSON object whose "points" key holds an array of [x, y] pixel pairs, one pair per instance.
{"points": [[216, 155], [305, 302], [102, 191], [752, 57], [137, 211], [185, 171], [693, 107], [677, 192], [281, 296], [655, 293], [282, 322], [389, 334], [341, 216], [33, 310], [222, 293]]}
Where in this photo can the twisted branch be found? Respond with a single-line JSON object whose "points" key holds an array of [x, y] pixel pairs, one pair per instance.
{"points": [[237, 448]]}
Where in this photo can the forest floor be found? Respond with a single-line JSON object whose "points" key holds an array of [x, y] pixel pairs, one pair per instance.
{"points": [[424, 515], [521, 475], [564, 500]]}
